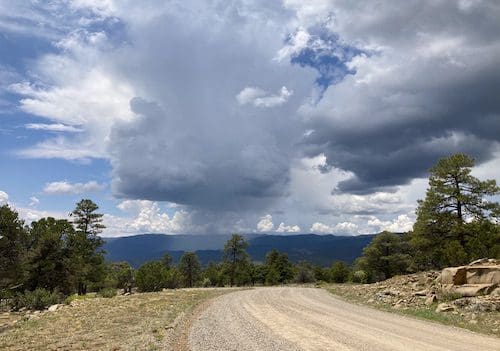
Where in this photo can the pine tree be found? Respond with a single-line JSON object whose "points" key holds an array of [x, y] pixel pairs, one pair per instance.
{"points": [[278, 267], [48, 255], [447, 228], [235, 257], [86, 219], [13, 251], [190, 268], [386, 256], [86, 259]]}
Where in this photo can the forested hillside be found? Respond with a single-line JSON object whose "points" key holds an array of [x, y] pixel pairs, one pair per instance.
{"points": [[317, 249]]}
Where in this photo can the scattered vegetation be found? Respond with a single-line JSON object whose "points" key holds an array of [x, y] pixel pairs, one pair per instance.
{"points": [[136, 322], [107, 293], [37, 299]]}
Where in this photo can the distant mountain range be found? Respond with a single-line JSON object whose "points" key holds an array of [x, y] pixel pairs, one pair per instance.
{"points": [[318, 249]]}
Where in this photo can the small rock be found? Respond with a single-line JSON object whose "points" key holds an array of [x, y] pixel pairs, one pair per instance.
{"points": [[371, 301], [474, 321], [444, 307], [430, 300], [421, 293], [53, 308]]}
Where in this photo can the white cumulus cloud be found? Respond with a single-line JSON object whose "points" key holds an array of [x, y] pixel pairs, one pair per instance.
{"points": [[403, 223], [260, 98], [148, 217], [339, 228], [282, 228], [265, 224], [64, 187], [4, 198]]}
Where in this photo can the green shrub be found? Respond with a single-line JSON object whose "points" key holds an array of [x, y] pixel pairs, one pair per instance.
{"points": [[38, 299], [304, 273], [174, 279], [153, 276], [107, 292], [339, 272], [360, 277]]}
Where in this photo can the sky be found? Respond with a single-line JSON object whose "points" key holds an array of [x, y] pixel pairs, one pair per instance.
{"points": [[220, 116]]}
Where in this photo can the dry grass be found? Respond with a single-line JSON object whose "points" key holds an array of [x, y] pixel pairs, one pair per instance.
{"points": [[135, 322]]}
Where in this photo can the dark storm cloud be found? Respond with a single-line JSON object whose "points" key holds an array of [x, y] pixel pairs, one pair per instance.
{"points": [[441, 97], [194, 142], [423, 92]]}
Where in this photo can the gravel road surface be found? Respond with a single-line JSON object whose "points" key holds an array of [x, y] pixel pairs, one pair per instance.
{"points": [[292, 318]]}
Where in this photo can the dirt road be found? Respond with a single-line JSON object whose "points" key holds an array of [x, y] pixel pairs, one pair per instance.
{"points": [[290, 318]]}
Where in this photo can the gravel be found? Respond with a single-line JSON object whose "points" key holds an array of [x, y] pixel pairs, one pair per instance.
{"points": [[293, 318]]}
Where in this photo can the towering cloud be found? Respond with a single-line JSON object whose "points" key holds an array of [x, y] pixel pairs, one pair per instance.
{"points": [[312, 112]]}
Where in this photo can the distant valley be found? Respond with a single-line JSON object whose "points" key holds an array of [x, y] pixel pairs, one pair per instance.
{"points": [[318, 249]]}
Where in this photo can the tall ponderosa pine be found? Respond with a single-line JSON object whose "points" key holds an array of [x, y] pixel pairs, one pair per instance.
{"points": [[235, 257], [85, 244], [13, 251], [86, 219], [190, 268], [455, 223]]}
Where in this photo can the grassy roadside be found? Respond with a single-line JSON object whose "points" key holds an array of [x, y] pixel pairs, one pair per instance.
{"points": [[136, 322], [485, 323]]}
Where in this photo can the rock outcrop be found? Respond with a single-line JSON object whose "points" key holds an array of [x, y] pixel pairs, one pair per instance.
{"points": [[481, 277]]}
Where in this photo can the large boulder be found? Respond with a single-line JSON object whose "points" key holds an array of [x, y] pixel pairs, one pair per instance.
{"points": [[479, 274], [484, 271], [471, 290], [454, 275], [480, 277]]}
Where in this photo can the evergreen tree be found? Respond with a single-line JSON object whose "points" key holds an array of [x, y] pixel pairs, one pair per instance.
{"points": [[86, 259], [454, 215], [86, 219], [48, 255], [278, 267], [236, 258], [386, 256], [190, 268], [213, 272], [152, 276], [13, 251]]}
